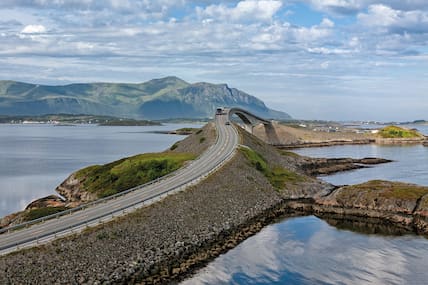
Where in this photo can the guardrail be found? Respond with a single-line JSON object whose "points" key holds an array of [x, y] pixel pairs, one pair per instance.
{"points": [[112, 214], [81, 207], [102, 200], [122, 209]]}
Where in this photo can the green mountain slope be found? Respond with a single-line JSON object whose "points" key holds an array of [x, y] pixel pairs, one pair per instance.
{"points": [[164, 98]]}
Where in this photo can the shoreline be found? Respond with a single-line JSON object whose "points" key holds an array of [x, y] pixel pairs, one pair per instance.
{"points": [[383, 142], [198, 257], [170, 240]]}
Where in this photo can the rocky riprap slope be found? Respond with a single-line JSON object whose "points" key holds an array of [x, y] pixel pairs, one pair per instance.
{"points": [[169, 239], [74, 195]]}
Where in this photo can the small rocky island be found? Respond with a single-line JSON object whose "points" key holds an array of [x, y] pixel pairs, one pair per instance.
{"points": [[167, 240]]}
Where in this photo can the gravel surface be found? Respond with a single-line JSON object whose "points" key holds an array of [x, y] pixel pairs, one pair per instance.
{"points": [[158, 242]]}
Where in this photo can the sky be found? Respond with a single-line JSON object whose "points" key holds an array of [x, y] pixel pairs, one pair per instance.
{"points": [[314, 59]]}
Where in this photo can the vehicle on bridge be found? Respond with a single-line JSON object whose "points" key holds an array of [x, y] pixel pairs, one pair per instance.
{"points": [[221, 111]]}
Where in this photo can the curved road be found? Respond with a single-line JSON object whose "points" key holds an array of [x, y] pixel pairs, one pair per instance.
{"points": [[210, 160]]}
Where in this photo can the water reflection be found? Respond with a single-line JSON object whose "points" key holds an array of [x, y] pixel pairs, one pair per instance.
{"points": [[367, 226], [307, 250]]}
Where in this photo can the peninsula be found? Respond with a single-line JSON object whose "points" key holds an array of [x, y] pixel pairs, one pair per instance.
{"points": [[169, 239]]}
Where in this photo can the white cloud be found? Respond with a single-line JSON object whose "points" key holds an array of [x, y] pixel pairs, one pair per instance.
{"points": [[327, 23], [34, 29], [220, 41], [244, 10], [337, 6], [345, 7], [395, 20], [314, 33]]}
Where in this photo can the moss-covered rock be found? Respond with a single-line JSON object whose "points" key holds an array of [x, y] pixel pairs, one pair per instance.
{"points": [[394, 132], [108, 179], [377, 195]]}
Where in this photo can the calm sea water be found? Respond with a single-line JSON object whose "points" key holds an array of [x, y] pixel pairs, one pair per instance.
{"points": [[34, 159], [307, 250], [410, 163]]}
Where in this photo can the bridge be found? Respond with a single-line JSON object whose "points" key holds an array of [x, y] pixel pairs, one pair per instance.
{"points": [[250, 121], [247, 117], [75, 220]]}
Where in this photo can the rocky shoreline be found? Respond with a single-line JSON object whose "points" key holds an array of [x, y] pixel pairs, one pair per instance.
{"points": [[324, 143], [165, 242]]}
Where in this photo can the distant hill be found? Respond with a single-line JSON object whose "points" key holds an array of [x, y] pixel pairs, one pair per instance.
{"points": [[164, 98]]}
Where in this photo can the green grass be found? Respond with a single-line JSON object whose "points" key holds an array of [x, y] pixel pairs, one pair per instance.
{"points": [[278, 176], [201, 140], [387, 189], [288, 153], [42, 212], [174, 146], [120, 175], [129, 122], [397, 132], [186, 130]]}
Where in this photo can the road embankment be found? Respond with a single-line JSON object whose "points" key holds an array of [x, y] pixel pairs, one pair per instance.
{"points": [[168, 240]]}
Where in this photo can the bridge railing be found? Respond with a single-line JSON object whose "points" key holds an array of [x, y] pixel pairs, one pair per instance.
{"points": [[83, 206], [101, 200], [122, 209]]}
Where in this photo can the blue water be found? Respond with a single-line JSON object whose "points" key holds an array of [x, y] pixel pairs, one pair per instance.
{"points": [[410, 163], [34, 159], [307, 250]]}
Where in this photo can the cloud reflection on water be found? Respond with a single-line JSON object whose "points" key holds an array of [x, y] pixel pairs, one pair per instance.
{"points": [[306, 250]]}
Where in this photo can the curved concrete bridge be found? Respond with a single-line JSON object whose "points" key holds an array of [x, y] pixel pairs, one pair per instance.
{"points": [[250, 121], [44, 230], [247, 117]]}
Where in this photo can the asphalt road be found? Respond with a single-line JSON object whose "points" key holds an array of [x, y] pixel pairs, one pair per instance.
{"points": [[225, 145]]}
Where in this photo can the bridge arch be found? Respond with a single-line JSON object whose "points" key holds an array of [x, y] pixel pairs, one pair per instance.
{"points": [[250, 121], [247, 117]]}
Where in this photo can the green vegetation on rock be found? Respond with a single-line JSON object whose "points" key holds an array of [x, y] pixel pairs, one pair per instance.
{"points": [[41, 212], [120, 175], [174, 146], [186, 130], [277, 176], [288, 153], [387, 189], [129, 122], [392, 132]]}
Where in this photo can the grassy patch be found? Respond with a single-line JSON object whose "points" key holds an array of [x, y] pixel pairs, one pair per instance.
{"points": [[120, 175], [387, 189], [278, 177], [42, 212], [174, 146], [288, 153], [129, 122], [187, 130], [392, 132], [201, 140]]}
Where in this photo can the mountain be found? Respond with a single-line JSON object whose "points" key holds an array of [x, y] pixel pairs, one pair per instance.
{"points": [[164, 98]]}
